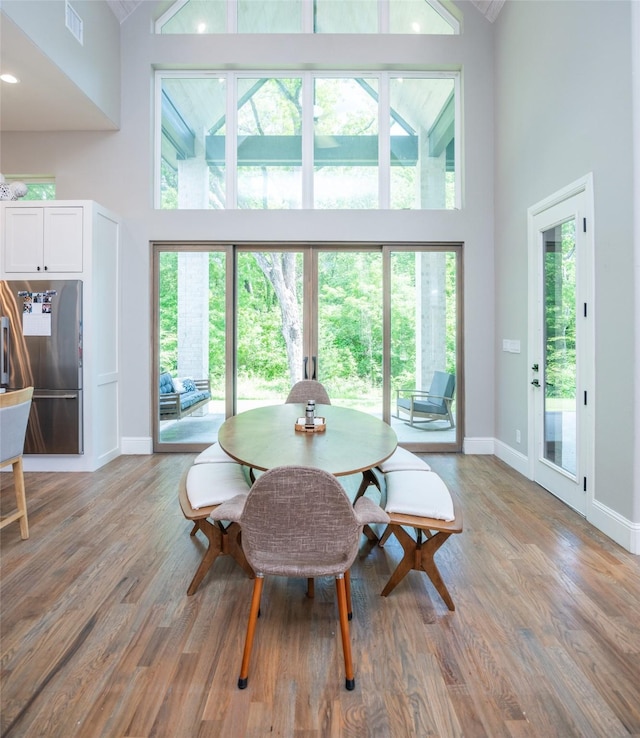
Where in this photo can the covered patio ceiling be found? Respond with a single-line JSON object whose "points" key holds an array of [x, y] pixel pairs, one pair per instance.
{"points": [[122, 9]]}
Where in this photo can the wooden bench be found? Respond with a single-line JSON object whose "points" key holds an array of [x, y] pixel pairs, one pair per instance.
{"points": [[430, 534], [222, 539], [424, 491]]}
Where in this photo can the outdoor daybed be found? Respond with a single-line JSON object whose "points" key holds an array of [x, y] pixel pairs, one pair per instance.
{"points": [[181, 397]]}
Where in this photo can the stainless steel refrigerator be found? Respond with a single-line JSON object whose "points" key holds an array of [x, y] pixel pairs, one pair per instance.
{"points": [[41, 346]]}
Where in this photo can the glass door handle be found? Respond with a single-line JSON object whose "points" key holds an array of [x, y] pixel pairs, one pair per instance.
{"points": [[306, 373]]}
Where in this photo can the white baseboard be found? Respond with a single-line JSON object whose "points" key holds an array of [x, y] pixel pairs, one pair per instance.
{"points": [[136, 446], [608, 521], [478, 446], [515, 459], [58, 463], [107, 457], [614, 525]]}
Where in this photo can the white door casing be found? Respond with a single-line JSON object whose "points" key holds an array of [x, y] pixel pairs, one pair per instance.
{"points": [[560, 447]]}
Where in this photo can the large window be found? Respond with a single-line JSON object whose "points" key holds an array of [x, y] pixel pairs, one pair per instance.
{"points": [[307, 140], [269, 143], [308, 16], [378, 325]]}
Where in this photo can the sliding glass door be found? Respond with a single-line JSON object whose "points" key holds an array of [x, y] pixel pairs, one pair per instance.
{"points": [[191, 319], [269, 335], [378, 325], [309, 313], [349, 327], [425, 346]]}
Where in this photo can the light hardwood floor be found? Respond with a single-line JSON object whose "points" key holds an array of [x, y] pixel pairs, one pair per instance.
{"points": [[98, 636]]}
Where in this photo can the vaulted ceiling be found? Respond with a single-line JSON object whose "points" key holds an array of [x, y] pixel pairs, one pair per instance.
{"points": [[46, 100]]}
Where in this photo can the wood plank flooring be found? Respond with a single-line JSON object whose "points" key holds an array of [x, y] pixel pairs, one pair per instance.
{"points": [[99, 639]]}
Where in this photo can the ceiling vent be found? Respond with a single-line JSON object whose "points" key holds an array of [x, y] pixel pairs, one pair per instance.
{"points": [[73, 22]]}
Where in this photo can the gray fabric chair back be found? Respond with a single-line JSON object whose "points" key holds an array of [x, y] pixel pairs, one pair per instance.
{"points": [[298, 522], [308, 389], [13, 426]]}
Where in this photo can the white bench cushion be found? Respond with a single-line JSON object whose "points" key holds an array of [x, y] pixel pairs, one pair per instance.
{"points": [[420, 493], [211, 484], [401, 459], [213, 455]]}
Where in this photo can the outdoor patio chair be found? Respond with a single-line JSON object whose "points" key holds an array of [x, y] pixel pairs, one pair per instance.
{"points": [[425, 406]]}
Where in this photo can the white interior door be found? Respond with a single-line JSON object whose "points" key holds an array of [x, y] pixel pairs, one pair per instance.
{"points": [[561, 349]]}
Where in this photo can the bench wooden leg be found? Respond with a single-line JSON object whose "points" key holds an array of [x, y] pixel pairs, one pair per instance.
{"points": [[385, 536], [418, 555], [221, 541]]}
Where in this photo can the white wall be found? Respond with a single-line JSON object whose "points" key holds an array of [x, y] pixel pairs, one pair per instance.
{"points": [[563, 82], [116, 170], [94, 65], [562, 74]]}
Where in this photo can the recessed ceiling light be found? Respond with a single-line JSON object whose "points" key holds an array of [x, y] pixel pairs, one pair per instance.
{"points": [[9, 78]]}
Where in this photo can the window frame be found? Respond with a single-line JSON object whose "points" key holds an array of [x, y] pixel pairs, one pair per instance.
{"points": [[308, 77], [443, 9]]}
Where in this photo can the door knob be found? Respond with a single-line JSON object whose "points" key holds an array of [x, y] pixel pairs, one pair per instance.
{"points": [[535, 383]]}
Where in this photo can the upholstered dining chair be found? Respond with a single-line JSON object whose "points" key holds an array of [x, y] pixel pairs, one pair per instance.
{"points": [[14, 414], [308, 389], [297, 521]]}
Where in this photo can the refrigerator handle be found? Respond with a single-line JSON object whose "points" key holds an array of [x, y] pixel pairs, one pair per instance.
{"points": [[5, 346]]}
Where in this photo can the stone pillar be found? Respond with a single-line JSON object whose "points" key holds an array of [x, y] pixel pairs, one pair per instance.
{"points": [[193, 180], [431, 326], [433, 171], [193, 316]]}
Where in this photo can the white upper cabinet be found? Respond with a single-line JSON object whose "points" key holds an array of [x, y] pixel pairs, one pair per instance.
{"points": [[43, 239]]}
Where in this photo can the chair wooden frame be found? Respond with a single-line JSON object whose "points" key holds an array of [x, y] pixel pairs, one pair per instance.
{"points": [[9, 399], [222, 539], [419, 552]]}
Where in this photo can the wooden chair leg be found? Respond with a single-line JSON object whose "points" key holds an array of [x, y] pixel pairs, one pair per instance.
{"points": [[251, 630], [347, 587], [350, 681], [21, 500]]}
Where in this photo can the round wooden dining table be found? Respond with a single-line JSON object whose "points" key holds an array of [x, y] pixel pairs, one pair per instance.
{"points": [[265, 437]]}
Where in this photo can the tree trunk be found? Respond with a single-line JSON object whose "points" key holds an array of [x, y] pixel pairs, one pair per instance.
{"points": [[280, 270]]}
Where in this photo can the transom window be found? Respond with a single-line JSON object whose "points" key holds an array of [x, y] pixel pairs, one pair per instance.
{"points": [[308, 16], [307, 140]]}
